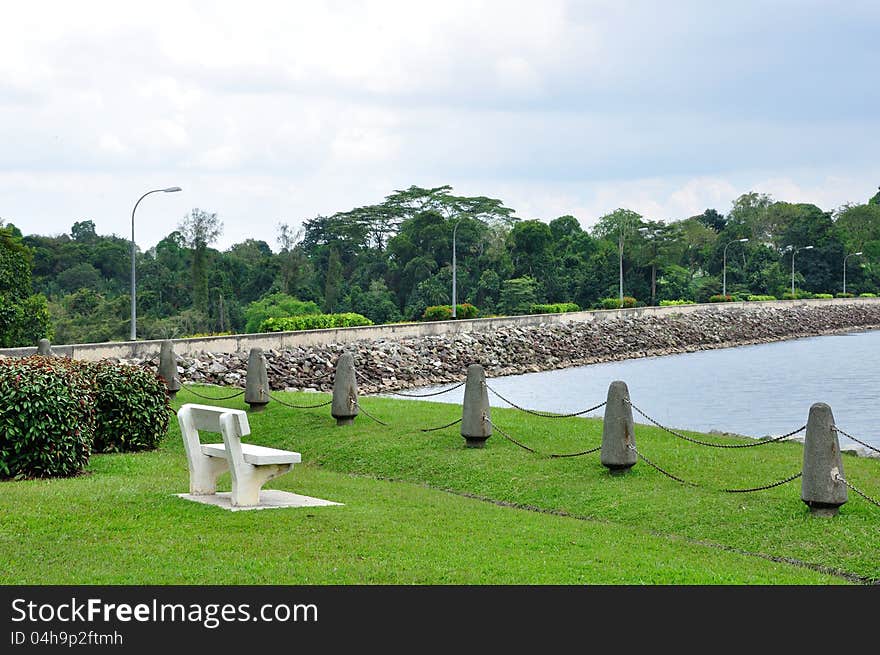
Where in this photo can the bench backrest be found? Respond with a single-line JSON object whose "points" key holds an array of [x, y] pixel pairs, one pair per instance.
{"points": [[207, 417], [192, 418]]}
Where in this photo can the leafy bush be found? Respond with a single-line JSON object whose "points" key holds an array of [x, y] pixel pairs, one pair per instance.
{"points": [[671, 303], [798, 295], [202, 335], [131, 408], [276, 305], [438, 313], [47, 418], [722, 298], [614, 303], [759, 298], [867, 295], [131, 404], [314, 322], [823, 295], [554, 308], [444, 312], [845, 295]]}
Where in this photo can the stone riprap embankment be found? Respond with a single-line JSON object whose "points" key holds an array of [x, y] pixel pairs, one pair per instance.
{"points": [[387, 365]]}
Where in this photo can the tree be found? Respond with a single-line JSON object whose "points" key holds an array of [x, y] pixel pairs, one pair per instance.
{"points": [[292, 257], [24, 317], [875, 200], [199, 230], [333, 282], [518, 295], [529, 241], [712, 219], [83, 231]]}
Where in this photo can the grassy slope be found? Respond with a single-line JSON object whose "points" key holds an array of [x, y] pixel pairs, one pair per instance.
{"points": [[120, 524]]}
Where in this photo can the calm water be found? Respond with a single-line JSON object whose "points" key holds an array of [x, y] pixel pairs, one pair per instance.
{"points": [[759, 390]]}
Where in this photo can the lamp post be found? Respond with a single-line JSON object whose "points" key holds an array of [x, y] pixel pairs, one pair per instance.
{"points": [[133, 333], [724, 266], [793, 251], [453, 266], [844, 267]]}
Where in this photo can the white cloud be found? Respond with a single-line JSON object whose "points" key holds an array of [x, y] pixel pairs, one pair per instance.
{"points": [[271, 111]]}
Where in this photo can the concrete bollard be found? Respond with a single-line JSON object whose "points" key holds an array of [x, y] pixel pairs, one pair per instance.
{"points": [[256, 385], [618, 431], [44, 348], [475, 409], [168, 368], [822, 493], [345, 391]]}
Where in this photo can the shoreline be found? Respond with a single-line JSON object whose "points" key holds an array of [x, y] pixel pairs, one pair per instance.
{"points": [[415, 362]]}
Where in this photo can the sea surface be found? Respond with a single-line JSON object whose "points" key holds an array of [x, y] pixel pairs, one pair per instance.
{"points": [[758, 390]]}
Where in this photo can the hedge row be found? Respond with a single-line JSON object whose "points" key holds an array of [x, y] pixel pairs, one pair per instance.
{"points": [[54, 412], [444, 312], [313, 322], [554, 308]]}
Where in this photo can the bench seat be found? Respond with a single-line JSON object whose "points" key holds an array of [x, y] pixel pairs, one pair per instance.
{"points": [[256, 455]]}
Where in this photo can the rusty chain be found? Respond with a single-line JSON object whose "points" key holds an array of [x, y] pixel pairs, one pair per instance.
{"points": [[532, 450], [442, 427], [730, 491], [544, 414], [196, 393], [838, 477], [286, 404], [849, 436], [361, 408], [760, 442]]}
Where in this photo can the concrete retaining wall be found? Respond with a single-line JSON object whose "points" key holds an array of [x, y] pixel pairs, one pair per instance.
{"points": [[283, 340]]}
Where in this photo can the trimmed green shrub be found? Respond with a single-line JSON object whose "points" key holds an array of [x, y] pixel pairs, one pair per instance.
{"points": [[614, 303], [798, 295], [47, 418], [823, 295], [722, 298], [671, 303], [314, 322], [845, 295], [437, 313], [867, 295], [131, 405], [759, 298], [444, 312], [131, 408], [554, 308], [276, 305]]}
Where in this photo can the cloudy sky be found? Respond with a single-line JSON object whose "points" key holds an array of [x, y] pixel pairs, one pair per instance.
{"points": [[279, 111]]}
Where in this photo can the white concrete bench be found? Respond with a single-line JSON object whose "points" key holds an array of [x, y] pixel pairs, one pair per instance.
{"points": [[251, 466]]}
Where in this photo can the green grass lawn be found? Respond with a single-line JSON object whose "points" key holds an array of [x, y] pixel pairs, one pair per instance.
{"points": [[422, 509]]}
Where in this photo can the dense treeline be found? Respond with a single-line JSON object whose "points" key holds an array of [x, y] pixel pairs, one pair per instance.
{"points": [[391, 261]]}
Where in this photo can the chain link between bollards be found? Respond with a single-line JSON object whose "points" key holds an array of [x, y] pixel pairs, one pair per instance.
{"points": [[291, 405], [849, 436], [361, 408], [760, 442], [532, 450], [849, 484], [545, 414], [442, 427], [196, 393], [770, 485]]}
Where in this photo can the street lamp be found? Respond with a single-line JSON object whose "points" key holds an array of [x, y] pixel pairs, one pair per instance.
{"points": [[133, 247], [844, 267], [724, 267], [793, 251], [453, 266]]}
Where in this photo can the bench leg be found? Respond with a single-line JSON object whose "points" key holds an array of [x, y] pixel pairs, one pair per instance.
{"points": [[203, 475], [247, 481]]}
